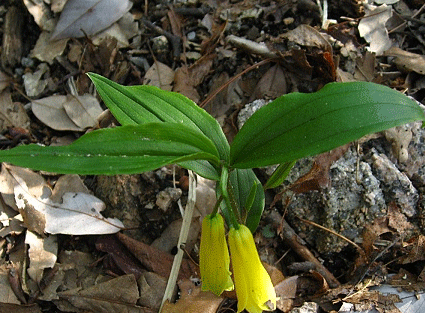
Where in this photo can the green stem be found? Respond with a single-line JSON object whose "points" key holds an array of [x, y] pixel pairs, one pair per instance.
{"points": [[216, 206], [231, 208]]}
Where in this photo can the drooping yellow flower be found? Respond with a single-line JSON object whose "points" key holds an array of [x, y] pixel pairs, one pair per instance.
{"points": [[214, 258], [253, 285]]}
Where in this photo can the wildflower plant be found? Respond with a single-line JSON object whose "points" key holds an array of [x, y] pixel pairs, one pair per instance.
{"points": [[160, 127]]}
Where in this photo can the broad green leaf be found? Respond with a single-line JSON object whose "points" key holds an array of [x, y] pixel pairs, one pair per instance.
{"points": [[202, 168], [132, 105], [120, 150], [242, 181], [299, 125], [279, 175]]}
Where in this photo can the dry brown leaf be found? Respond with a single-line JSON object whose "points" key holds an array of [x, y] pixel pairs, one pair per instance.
{"points": [[12, 114], [183, 84], [118, 259], [68, 183], [365, 68], [159, 75], [42, 254], [46, 50], [74, 113], [6, 293], [372, 29], [78, 214], [34, 83], [87, 17], [155, 260], [271, 85], [186, 79], [4, 81], [116, 295], [318, 176], [407, 61], [193, 300], [83, 110], [416, 250], [15, 308], [36, 184], [286, 291], [307, 36], [152, 288]]}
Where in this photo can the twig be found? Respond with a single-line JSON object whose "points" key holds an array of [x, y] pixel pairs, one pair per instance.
{"points": [[175, 41], [298, 245], [359, 249], [218, 90], [184, 231], [251, 46]]}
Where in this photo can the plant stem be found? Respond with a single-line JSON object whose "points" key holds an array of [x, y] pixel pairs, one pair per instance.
{"points": [[216, 206]]}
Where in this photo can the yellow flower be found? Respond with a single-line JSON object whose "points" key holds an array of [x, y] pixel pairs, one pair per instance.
{"points": [[253, 285], [214, 256]]}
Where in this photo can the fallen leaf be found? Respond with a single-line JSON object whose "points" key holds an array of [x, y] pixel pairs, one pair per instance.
{"points": [[41, 14], [365, 67], [83, 110], [186, 79], [416, 250], [68, 183], [372, 29], [318, 176], [155, 260], [407, 61], [4, 81], [118, 259], [116, 295], [78, 214], [305, 35], [47, 51], [159, 75], [33, 82], [184, 86], [6, 293], [271, 85], [286, 291], [152, 288], [193, 300], [12, 114], [42, 254], [74, 113], [88, 17], [36, 184], [15, 308]]}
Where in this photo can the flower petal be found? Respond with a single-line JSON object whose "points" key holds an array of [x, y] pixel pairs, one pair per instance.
{"points": [[214, 258], [253, 284]]}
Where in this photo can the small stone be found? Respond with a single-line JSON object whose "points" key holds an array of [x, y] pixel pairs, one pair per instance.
{"points": [[288, 20], [191, 36], [166, 197], [160, 45]]}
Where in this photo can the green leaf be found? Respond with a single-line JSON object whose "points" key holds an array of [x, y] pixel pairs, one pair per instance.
{"points": [[132, 105], [279, 175], [202, 168], [242, 181], [120, 150], [299, 125]]}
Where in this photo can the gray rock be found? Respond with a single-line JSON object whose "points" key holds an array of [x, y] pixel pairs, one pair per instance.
{"points": [[307, 307]]}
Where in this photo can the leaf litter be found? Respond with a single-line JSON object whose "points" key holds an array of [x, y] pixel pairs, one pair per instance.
{"points": [[218, 45]]}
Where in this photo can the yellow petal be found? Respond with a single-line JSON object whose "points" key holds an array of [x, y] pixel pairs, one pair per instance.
{"points": [[254, 287], [214, 258]]}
